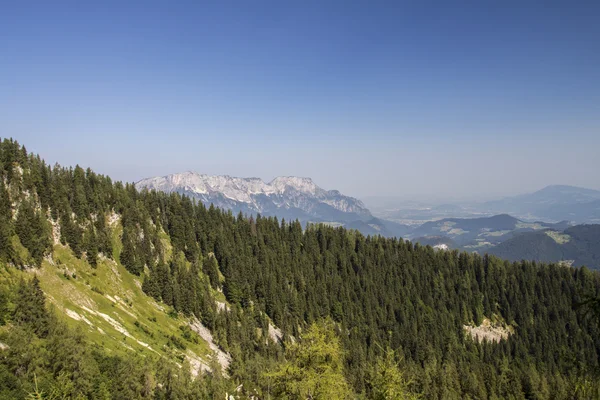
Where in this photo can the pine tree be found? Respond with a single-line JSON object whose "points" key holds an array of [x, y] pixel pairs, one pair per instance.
{"points": [[128, 255], [78, 193], [71, 232], [31, 227], [103, 235], [6, 249], [151, 287], [30, 307], [210, 268], [91, 247], [3, 306]]}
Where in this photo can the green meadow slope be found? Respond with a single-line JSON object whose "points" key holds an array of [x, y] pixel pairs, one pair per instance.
{"points": [[107, 303]]}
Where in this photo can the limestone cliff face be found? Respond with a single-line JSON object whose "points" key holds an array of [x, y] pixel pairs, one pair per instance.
{"points": [[289, 197]]}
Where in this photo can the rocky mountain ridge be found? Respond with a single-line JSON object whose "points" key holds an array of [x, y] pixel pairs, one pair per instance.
{"points": [[285, 196]]}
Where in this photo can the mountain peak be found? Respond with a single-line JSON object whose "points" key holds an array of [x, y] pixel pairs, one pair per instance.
{"points": [[568, 189], [552, 203], [301, 184], [292, 196]]}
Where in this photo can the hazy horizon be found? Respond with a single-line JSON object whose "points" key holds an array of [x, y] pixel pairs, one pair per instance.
{"points": [[409, 196], [448, 103]]}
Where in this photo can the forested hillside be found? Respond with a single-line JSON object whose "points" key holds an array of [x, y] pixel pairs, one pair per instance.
{"points": [[578, 245], [362, 312]]}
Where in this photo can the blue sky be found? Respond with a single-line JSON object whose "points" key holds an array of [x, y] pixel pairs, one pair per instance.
{"points": [[415, 99]]}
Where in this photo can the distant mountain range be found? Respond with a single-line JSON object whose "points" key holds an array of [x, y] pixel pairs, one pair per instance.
{"points": [[300, 198], [552, 204], [286, 197], [556, 203]]}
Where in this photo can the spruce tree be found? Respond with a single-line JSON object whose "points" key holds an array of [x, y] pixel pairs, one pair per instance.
{"points": [[3, 305], [128, 255], [210, 268], [91, 247], [31, 227], [30, 307]]}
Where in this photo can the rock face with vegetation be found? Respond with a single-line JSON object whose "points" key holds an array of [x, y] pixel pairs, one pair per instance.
{"points": [[103, 290]]}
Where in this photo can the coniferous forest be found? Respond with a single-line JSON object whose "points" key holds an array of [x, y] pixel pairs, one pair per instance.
{"points": [[361, 317]]}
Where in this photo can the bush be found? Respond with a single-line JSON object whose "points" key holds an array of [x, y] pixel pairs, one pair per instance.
{"points": [[144, 328], [188, 334], [177, 343], [97, 290]]}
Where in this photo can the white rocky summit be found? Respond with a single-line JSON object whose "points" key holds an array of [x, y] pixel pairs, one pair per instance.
{"points": [[285, 196]]}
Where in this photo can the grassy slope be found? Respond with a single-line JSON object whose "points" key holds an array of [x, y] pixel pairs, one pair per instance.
{"points": [[106, 303]]}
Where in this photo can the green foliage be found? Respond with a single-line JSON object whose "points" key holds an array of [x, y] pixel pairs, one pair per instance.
{"points": [[145, 329], [590, 308], [314, 369], [211, 269], [578, 245], [32, 228], [97, 290], [62, 364], [3, 306], [38, 394], [129, 257], [30, 307], [6, 225], [177, 342], [387, 381], [188, 334]]}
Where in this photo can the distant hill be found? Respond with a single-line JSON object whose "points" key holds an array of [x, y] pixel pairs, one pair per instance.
{"points": [[537, 246], [479, 233], [556, 202], [495, 223], [578, 245]]}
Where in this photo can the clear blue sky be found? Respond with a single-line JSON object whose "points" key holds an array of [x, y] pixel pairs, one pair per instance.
{"points": [[410, 98]]}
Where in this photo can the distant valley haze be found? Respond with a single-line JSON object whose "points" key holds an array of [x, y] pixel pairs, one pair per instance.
{"points": [[372, 176]]}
